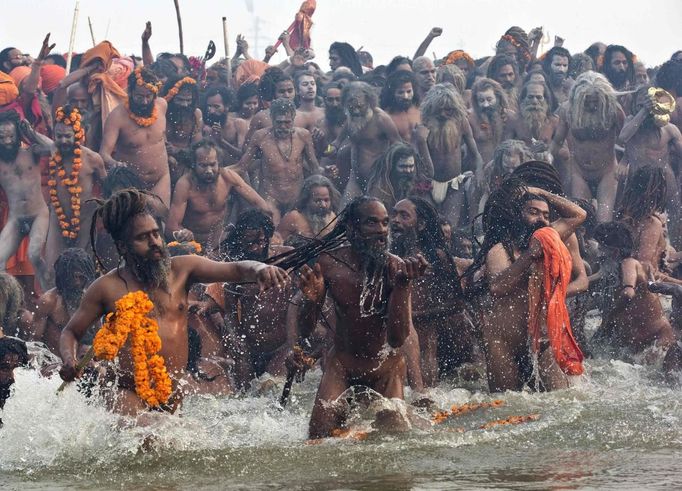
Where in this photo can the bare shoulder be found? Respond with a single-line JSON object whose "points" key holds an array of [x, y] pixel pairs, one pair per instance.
{"points": [[162, 103], [260, 135], [302, 133], [241, 125], [48, 300], [231, 177]]}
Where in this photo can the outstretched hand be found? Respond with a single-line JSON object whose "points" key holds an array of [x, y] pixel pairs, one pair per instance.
{"points": [[46, 48], [311, 282], [402, 271], [271, 277], [147, 33]]}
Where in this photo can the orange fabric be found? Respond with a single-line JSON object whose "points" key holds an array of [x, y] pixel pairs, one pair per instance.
{"points": [[549, 291], [105, 91], [119, 71], [299, 30], [19, 73], [51, 76], [8, 89], [18, 264], [103, 52], [249, 71], [458, 54]]}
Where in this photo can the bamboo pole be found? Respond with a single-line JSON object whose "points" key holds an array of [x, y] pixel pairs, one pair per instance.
{"points": [[177, 13], [92, 34], [227, 53], [72, 39]]}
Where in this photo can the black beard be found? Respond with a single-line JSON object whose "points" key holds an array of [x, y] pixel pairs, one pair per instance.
{"points": [[141, 110], [404, 243], [152, 273], [210, 119], [403, 185], [617, 79], [402, 104], [178, 114], [527, 234], [9, 154], [335, 116], [558, 78], [369, 250], [72, 299]]}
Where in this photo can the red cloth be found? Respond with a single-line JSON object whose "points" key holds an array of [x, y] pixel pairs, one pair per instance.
{"points": [[51, 75], [549, 291], [299, 30]]}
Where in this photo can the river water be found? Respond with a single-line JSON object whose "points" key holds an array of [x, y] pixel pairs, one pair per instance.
{"points": [[618, 427]]}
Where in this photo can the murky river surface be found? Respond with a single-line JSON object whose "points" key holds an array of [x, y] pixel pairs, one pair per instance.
{"points": [[619, 427]]}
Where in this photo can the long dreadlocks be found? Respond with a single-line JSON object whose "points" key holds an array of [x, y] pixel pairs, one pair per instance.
{"points": [[71, 262], [645, 194], [540, 175]]}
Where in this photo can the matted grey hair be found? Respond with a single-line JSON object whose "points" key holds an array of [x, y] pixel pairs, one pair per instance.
{"points": [[592, 83], [317, 181], [364, 88]]}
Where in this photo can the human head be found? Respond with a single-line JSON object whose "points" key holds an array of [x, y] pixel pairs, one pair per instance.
{"points": [[182, 94], [306, 86], [366, 59], [343, 54], [13, 354], [489, 98], [284, 88], [119, 178], [535, 105], [555, 64], [514, 43], [11, 301], [267, 84], [247, 99], [250, 237], [461, 244], [619, 66], [395, 171], [540, 175], [205, 164], [398, 94], [442, 103], [509, 155], [592, 104], [50, 76], [641, 74], [216, 75], [77, 96], [67, 137], [143, 87], [318, 196], [366, 222], [398, 63], [452, 74], [127, 216], [424, 73], [596, 53], [333, 110], [580, 63], [461, 59], [10, 58], [282, 113], [504, 70], [615, 239], [669, 77], [9, 136], [74, 271], [217, 102], [645, 194], [534, 213], [164, 69], [359, 100]]}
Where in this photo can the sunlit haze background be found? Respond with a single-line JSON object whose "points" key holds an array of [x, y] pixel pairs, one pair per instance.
{"points": [[384, 27]]}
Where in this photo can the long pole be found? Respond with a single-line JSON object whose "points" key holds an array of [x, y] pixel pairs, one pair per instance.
{"points": [[227, 53], [72, 39], [177, 13], [92, 34]]}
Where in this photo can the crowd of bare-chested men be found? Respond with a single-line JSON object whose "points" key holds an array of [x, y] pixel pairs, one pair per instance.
{"points": [[405, 199]]}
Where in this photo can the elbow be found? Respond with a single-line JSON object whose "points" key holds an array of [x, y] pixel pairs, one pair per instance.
{"points": [[396, 340]]}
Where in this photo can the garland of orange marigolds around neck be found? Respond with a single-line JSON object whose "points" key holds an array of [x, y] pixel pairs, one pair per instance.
{"points": [[131, 318], [178, 85], [139, 120], [69, 226]]}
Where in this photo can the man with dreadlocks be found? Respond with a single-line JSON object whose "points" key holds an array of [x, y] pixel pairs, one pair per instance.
{"points": [[201, 199], [555, 65], [183, 122], [74, 272], [650, 139], [370, 289], [396, 175], [316, 209], [401, 103], [619, 67], [511, 256], [15, 320], [255, 320], [445, 127], [437, 296], [148, 268], [28, 213], [490, 116], [595, 119], [286, 155]]}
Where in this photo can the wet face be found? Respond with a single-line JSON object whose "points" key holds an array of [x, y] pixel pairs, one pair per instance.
{"points": [[403, 218], [283, 125], [369, 236], [334, 60], [332, 98], [357, 105], [146, 252], [535, 98], [404, 95], [254, 244], [535, 214], [184, 101], [249, 106], [285, 90], [641, 76], [486, 101], [307, 89], [506, 76], [591, 102], [9, 142], [142, 101], [64, 138], [216, 112], [78, 98], [320, 202], [206, 167], [425, 73], [405, 168], [559, 69]]}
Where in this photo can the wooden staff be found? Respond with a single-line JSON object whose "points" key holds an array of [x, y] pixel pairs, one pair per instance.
{"points": [[72, 39], [80, 366], [177, 13], [227, 53], [92, 34]]}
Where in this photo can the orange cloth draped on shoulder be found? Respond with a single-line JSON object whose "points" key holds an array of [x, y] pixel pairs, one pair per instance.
{"points": [[299, 30], [8, 89], [105, 91], [547, 292], [249, 71]]}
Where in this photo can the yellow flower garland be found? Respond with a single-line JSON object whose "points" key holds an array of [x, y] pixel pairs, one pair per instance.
{"points": [[131, 318]]}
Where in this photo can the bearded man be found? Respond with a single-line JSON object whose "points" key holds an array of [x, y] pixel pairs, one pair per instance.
{"points": [[166, 281], [307, 113], [134, 133], [555, 64], [594, 118], [28, 213], [316, 208], [274, 84], [536, 125], [490, 116], [445, 127], [504, 70], [399, 100], [370, 130], [183, 122], [226, 131], [619, 67], [424, 74], [74, 272], [396, 175], [328, 128], [201, 198], [287, 157]]}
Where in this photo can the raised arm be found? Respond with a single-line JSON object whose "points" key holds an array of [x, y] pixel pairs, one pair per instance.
{"points": [[147, 56], [433, 34], [571, 215]]}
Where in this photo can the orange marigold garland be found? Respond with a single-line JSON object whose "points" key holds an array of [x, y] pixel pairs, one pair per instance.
{"points": [[70, 227], [152, 382], [141, 121], [178, 85]]}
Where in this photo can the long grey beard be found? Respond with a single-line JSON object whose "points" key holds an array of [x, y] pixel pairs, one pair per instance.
{"points": [[535, 120], [316, 222], [153, 274], [358, 123]]}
